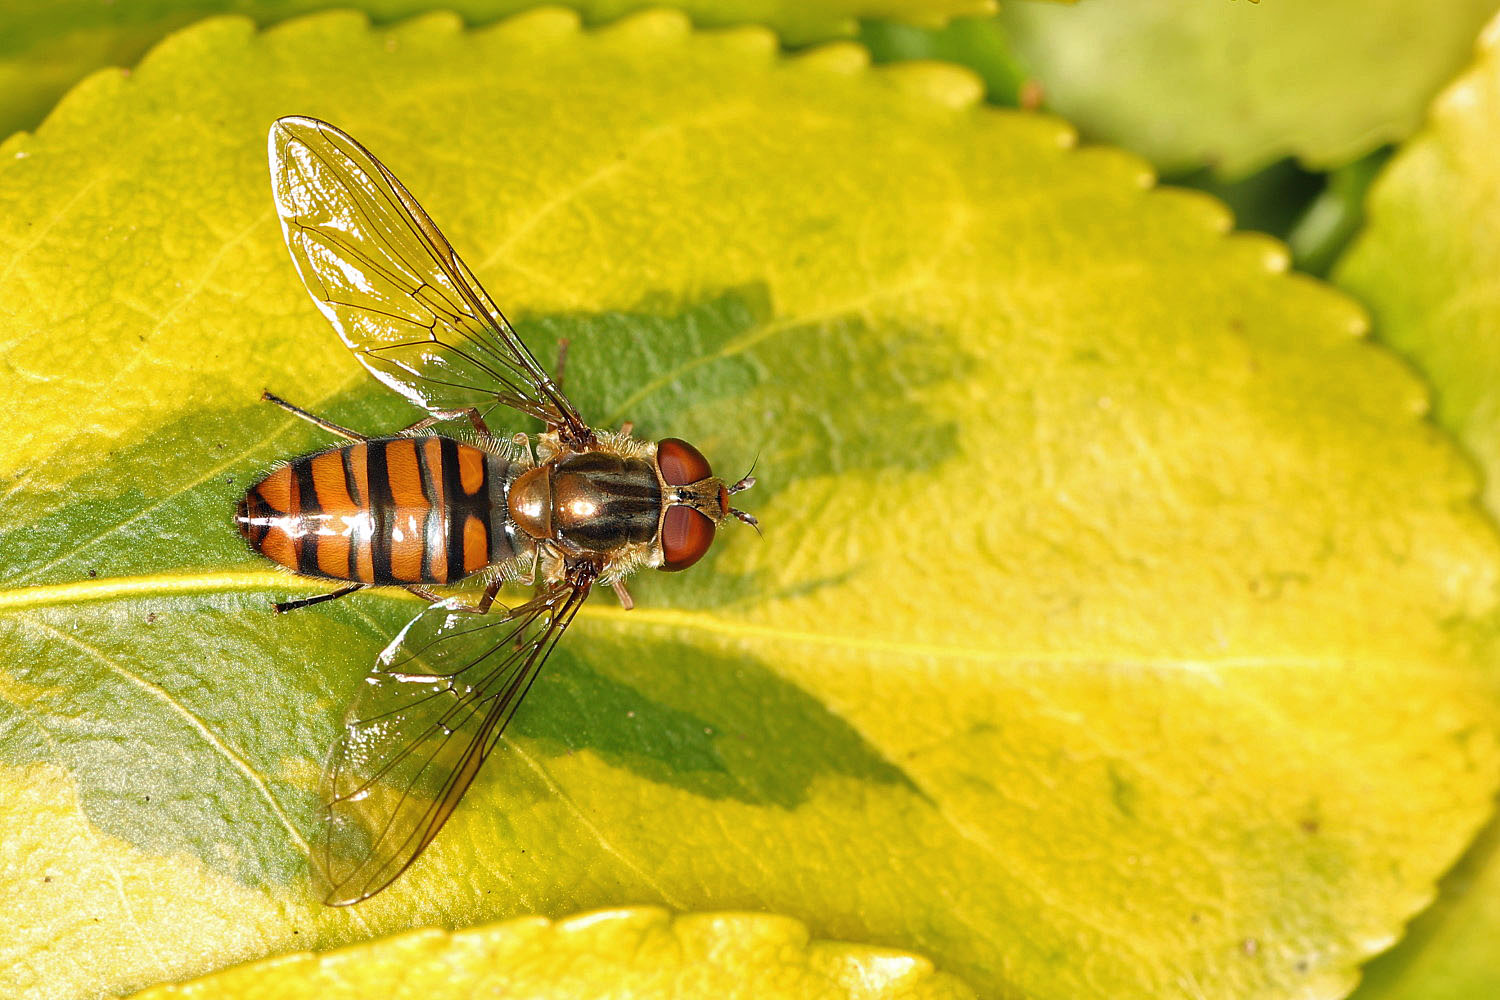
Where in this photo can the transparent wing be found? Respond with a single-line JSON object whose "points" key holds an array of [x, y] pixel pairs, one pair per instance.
{"points": [[423, 722], [391, 284]]}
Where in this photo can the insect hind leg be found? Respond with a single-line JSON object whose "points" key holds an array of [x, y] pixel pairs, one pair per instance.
{"points": [[482, 607], [472, 412], [282, 607], [316, 421]]}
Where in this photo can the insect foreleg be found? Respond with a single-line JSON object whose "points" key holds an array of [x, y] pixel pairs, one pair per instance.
{"points": [[626, 601], [283, 607], [328, 426]]}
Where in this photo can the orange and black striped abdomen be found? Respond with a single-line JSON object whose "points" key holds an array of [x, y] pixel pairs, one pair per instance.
{"points": [[389, 511]]}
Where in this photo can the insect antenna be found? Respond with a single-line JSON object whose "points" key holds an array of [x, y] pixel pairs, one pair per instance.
{"points": [[748, 519], [746, 482]]}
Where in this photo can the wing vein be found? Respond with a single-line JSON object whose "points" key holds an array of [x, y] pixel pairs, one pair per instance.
{"points": [[363, 244], [411, 749]]}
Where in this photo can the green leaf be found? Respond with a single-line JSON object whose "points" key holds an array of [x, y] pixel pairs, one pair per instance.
{"points": [[1335, 217], [1235, 86], [978, 43], [1268, 201], [1448, 951], [637, 952], [46, 46], [1425, 265], [1101, 641]]}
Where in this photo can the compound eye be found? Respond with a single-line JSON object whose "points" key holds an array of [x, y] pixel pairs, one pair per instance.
{"points": [[685, 535], [681, 464]]}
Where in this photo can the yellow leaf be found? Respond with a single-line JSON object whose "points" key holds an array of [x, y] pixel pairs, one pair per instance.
{"points": [[46, 46], [1114, 628], [631, 953], [1426, 266]]}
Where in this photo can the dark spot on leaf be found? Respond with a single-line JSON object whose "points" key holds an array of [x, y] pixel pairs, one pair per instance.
{"points": [[1123, 792]]}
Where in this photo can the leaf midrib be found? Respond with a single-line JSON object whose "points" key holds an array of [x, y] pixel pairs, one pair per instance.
{"points": [[20, 599], [155, 691]]}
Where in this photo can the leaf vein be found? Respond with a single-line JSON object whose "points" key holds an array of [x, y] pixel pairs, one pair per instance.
{"points": [[164, 696]]}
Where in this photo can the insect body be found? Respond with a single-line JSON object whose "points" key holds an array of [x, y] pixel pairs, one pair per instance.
{"points": [[580, 506]]}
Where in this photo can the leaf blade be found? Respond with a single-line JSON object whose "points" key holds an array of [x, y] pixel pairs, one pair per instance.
{"points": [[1143, 664]]}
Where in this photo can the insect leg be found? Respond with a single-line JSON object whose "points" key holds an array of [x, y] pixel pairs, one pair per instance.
{"points": [[489, 595], [562, 357], [485, 600], [472, 413], [530, 578], [328, 426], [282, 607], [626, 601], [571, 431]]}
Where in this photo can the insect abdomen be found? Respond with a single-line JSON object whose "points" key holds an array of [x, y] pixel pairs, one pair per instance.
{"points": [[388, 511]]}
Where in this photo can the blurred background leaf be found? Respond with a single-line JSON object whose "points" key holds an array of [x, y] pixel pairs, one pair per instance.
{"points": [[1426, 268], [46, 46], [1235, 86], [638, 953]]}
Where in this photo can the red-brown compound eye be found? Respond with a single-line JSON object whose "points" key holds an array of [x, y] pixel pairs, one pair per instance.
{"points": [[685, 535], [681, 463]]}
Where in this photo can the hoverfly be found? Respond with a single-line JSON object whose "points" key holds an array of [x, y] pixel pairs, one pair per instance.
{"points": [[415, 509]]}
